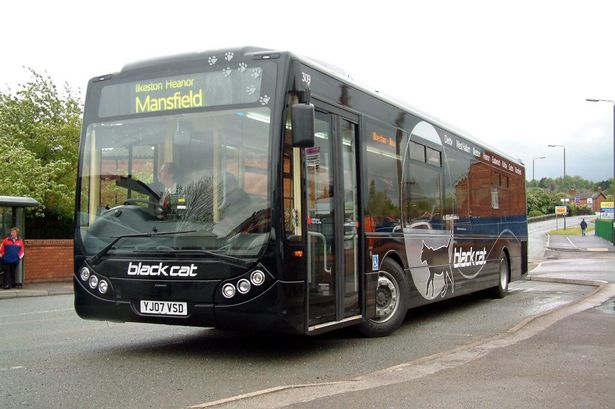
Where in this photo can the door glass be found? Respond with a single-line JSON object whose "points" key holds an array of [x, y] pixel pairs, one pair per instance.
{"points": [[321, 227], [351, 269]]}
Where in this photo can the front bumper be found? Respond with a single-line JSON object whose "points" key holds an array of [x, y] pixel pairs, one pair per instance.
{"points": [[279, 308]]}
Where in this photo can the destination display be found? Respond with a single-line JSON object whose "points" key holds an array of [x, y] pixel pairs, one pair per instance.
{"points": [[482, 155], [205, 89], [388, 143]]}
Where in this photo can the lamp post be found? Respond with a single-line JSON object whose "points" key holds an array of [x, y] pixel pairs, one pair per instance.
{"points": [[610, 101], [564, 180], [533, 160], [561, 146]]}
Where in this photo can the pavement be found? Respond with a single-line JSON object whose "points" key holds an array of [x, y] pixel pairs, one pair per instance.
{"points": [[563, 360], [38, 290], [591, 243]]}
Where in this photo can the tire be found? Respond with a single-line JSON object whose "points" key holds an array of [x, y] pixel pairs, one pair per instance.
{"points": [[501, 289], [391, 301]]}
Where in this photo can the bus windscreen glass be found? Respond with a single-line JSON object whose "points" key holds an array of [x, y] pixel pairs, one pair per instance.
{"points": [[202, 176]]}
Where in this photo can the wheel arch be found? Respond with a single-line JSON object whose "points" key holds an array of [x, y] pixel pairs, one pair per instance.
{"points": [[394, 256]]}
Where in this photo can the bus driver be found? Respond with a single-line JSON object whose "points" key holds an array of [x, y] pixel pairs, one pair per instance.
{"points": [[167, 176]]}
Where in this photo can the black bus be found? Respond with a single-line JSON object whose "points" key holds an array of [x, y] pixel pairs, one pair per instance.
{"points": [[256, 189]]}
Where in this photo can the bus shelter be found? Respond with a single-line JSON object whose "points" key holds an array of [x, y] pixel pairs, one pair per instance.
{"points": [[12, 215]]}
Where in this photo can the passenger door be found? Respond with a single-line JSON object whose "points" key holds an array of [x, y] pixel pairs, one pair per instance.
{"points": [[331, 197]]}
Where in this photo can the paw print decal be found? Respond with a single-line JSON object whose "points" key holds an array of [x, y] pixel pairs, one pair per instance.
{"points": [[212, 60], [256, 72], [227, 71], [251, 89], [264, 100], [242, 67], [229, 56]]}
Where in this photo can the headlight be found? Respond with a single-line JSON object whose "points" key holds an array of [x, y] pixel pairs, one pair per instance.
{"points": [[228, 290], [103, 286], [243, 286], [84, 273], [93, 282], [257, 277]]}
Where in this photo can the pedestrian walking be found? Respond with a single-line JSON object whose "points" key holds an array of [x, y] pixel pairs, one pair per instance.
{"points": [[11, 252], [583, 227]]}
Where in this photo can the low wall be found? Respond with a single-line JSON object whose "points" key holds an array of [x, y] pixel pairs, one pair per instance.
{"points": [[48, 260], [540, 218]]}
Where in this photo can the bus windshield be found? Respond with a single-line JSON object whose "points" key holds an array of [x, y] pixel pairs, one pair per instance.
{"points": [[203, 177]]}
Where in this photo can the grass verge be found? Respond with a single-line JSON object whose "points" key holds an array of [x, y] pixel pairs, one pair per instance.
{"points": [[574, 231]]}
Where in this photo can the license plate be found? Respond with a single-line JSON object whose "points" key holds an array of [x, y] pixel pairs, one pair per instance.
{"points": [[164, 307]]}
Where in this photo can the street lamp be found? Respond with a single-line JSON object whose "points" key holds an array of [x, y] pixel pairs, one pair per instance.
{"points": [[610, 102], [534, 159], [564, 181], [561, 146]]}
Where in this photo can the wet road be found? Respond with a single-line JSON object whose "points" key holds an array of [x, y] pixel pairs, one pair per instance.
{"points": [[537, 233], [53, 359]]}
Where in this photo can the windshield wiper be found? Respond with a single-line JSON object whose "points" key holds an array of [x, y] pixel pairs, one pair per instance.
{"points": [[105, 249], [202, 252], [220, 256]]}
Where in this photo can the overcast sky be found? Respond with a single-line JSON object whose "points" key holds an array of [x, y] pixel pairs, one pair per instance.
{"points": [[514, 74]]}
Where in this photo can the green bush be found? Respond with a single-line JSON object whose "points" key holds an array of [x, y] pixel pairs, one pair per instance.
{"points": [[579, 210], [535, 213]]}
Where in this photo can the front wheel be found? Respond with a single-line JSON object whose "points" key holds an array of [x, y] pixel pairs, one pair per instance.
{"points": [[391, 301], [501, 289]]}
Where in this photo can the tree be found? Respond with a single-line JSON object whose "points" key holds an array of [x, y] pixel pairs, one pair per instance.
{"points": [[39, 135], [23, 174], [542, 201], [606, 186]]}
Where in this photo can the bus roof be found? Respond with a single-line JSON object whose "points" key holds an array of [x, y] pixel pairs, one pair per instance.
{"points": [[325, 68], [192, 57], [347, 78]]}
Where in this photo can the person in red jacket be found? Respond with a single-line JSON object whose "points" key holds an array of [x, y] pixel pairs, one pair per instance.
{"points": [[11, 252]]}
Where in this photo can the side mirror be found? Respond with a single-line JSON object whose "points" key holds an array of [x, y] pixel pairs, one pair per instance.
{"points": [[303, 125]]}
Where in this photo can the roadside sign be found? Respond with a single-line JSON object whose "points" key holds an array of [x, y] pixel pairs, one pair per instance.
{"points": [[607, 210], [561, 210]]}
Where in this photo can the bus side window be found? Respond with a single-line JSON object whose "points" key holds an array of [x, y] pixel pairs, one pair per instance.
{"points": [[383, 164], [458, 203], [422, 195]]}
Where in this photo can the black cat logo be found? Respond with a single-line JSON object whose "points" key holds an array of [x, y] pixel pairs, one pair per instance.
{"points": [[438, 262]]}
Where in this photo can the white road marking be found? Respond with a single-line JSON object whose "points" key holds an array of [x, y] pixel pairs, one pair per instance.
{"points": [[12, 368]]}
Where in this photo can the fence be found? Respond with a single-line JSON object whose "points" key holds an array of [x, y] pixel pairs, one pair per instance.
{"points": [[604, 229]]}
